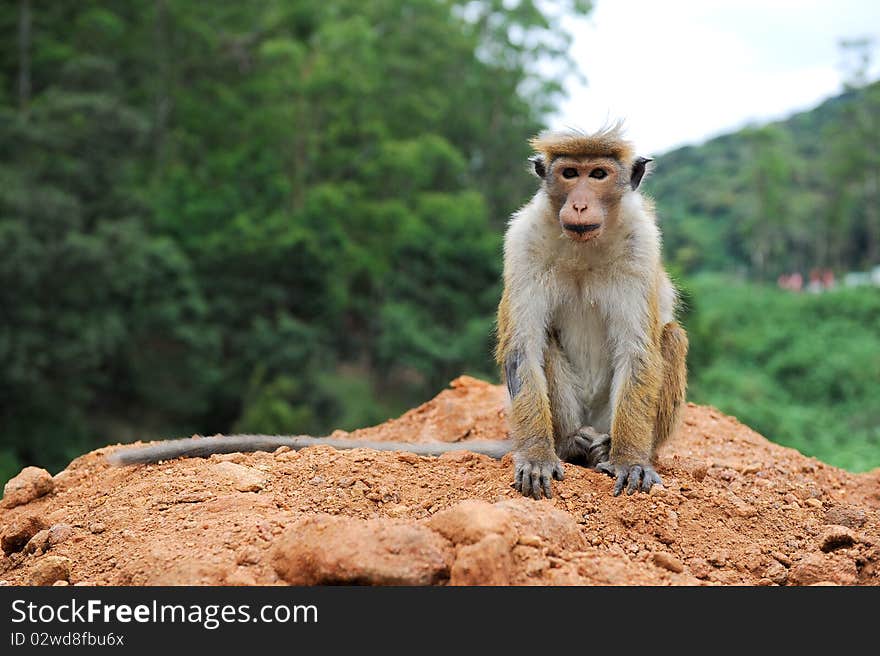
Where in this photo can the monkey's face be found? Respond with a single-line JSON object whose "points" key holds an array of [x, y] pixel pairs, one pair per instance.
{"points": [[583, 190]]}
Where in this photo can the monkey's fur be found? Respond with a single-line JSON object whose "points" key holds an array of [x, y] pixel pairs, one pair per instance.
{"points": [[589, 349], [591, 354]]}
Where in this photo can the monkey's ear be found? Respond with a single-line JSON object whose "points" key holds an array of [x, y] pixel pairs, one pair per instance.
{"points": [[638, 171], [540, 168]]}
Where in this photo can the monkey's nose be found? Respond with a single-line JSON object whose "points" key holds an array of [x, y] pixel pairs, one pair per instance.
{"points": [[581, 228]]}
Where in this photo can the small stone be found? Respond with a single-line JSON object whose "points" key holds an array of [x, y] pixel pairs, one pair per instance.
{"points": [[60, 533], [31, 483], [849, 516], [242, 478], [776, 573], [699, 568], [280, 450], [17, 533], [813, 502], [837, 537], [61, 582], [664, 535], [39, 543], [668, 561], [752, 468], [816, 568], [781, 557], [720, 557], [97, 527], [49, 569]]}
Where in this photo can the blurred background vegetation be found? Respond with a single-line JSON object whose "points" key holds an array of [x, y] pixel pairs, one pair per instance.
{"points": [[287, 217]]}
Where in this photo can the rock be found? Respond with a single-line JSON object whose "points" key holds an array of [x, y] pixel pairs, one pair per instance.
{"points": [[18, 532], [700, 568], [813, 502], [781, 557], [842, 515], [554, 527], [837, 537], [471, 521], [488, 562], [59, 533], [668, 561], [31, 483], [776, 573], [816, 568], [324, 549], [720, 557], [49, 569], [242, 478], [60, 583], [39, 543]]}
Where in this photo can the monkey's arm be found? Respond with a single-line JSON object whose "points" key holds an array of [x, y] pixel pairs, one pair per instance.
{"points": [[638, 376], [522, 341], [203, 447]]}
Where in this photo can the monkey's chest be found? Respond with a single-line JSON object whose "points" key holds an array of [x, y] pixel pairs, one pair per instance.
{"points": [[583, 337]]}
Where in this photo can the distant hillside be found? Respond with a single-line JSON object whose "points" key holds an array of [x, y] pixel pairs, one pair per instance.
{"points": [[791, 195]]}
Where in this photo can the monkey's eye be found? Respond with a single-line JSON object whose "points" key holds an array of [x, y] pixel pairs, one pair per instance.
{"points": [[599, 174], [569, 173]]}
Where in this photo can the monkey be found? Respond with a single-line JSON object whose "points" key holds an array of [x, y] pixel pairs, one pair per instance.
{"points": [[587, 342], [589, 348], [203, 447]]}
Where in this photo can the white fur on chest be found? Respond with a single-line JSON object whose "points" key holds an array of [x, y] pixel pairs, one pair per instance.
{"points": [[579, 320]]}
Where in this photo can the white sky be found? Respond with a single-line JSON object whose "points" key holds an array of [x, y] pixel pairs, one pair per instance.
{"points": [[682, 71]]}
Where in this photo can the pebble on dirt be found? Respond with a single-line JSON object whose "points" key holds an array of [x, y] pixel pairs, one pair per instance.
{"points": [[31, 483]]}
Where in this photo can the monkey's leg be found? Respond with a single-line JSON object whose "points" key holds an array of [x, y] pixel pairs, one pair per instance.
{"points": [[674, 348], [565, 392], [632, 429], [531, 421], [521, 355]]}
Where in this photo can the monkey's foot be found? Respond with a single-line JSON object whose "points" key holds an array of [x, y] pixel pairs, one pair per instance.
{"points": [[532, 478], [633, 477], [591, 446]]}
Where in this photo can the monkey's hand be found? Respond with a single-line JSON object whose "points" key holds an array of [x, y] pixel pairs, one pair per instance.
{"points": [[532, 477], [632, 477]]}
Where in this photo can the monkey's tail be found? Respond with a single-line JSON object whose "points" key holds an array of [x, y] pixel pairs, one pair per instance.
{"points": [[203, 447]]}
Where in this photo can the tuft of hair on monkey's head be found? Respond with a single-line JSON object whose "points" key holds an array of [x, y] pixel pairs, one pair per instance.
{"points": [[585, 176], [608, 141]]}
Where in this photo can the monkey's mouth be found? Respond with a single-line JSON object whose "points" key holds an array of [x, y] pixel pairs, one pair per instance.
{"points": [[582, 231]]}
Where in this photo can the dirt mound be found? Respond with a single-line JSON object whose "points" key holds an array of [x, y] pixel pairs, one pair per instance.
{"points": [[736, 509]]}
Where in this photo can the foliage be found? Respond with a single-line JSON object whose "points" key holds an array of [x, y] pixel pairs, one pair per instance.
{"points": [[795, 195], [802, 368]]}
